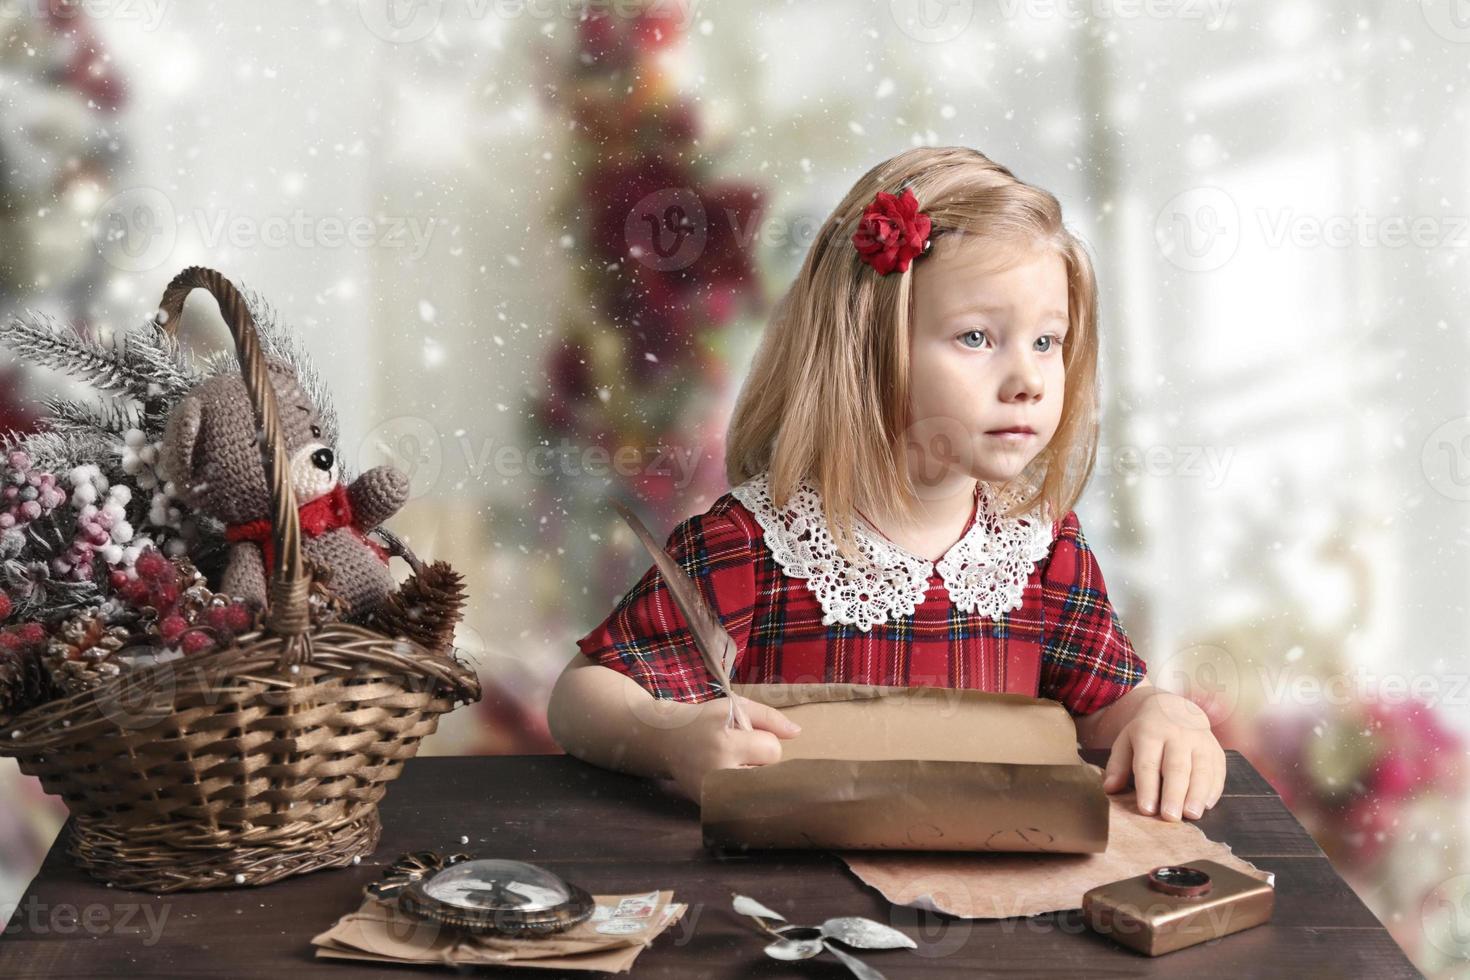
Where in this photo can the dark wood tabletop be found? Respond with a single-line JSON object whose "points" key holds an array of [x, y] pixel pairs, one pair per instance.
{"points": [[614, 834]]}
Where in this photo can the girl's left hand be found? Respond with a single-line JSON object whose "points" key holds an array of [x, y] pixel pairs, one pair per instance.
{"points": [[1177, 764]]}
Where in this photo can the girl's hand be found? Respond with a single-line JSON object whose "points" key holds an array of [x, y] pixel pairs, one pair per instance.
{"points": [[1177, 765], [705, 744]]}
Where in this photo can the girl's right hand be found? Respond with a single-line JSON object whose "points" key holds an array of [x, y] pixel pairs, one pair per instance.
{"points": [[705, 744]]}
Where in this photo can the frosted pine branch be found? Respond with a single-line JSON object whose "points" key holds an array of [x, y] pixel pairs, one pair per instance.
{"points": [[61, 451], [113, 415], [13, 439], [220, 362], [154, 353], [41, 340]]}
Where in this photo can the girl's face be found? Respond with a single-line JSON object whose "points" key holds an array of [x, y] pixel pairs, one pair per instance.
{"points": [[986, 340]]}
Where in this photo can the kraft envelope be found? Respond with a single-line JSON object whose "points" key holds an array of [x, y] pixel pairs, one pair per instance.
{"points": [[921, 768]]}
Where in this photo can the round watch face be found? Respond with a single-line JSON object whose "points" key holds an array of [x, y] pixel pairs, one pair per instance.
{"points": [[492, 885], [485, 895]]}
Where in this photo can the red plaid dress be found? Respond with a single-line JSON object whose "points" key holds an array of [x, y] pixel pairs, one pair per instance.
{"points": [[1032, 615]]}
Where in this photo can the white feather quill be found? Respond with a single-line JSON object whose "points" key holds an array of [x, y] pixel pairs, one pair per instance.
{"points": [[710, 637]]}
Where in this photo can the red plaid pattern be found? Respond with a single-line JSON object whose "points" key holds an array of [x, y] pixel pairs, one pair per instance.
{"points": [[1064, 642]]}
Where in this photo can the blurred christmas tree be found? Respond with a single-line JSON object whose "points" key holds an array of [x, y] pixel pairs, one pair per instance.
{"points": [[637, 386], [59, 93], [636, 392]]}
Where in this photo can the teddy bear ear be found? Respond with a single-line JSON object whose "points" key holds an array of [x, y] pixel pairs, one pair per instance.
{"points": [[180, 440]]}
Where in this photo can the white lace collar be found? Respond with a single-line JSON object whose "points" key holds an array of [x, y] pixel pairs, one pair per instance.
{"points": [[985, 571]]}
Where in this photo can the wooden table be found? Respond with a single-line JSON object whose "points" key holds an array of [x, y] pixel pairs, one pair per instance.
{"points": [[613, 833]]}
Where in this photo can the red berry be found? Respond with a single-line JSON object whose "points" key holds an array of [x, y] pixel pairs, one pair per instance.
{"points": [[134, 591], [32, 633], [238, 617], [13, 644], [165, 594], [5, 606], [196, 641], [223, 621], [118, 578], [152, 565], [170, 628]]}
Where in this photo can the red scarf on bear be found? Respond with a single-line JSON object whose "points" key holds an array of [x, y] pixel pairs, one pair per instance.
{"points": [[329, 511]]}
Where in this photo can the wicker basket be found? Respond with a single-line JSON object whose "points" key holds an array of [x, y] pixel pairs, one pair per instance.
{"points": [[251, 763]]}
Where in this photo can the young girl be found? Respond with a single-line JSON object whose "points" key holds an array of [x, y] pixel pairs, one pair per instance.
{"points": [[920, 411]]}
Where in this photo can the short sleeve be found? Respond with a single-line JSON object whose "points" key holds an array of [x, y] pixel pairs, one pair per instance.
{"points": [[1087, 659], [647, 637]]}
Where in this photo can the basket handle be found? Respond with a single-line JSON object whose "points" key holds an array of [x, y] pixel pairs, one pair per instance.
{"points": [[288, 605]]}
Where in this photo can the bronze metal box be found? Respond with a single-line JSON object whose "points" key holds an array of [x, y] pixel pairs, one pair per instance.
{"points": [[1178, 905]]}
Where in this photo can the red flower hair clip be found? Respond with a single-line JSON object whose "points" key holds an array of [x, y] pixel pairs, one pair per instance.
{"points": [[892, 232]]}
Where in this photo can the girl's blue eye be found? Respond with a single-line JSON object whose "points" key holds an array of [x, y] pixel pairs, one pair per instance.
{"points": [[972, 339]]}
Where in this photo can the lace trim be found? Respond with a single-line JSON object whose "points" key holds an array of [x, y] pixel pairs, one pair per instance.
{"points": [[984, 572]]}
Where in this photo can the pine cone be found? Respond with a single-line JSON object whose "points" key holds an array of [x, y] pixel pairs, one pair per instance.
{"points": [[425, 608], [24, 680], [79, 654]]}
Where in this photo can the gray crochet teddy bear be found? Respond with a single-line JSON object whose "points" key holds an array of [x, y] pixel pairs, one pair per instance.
{"points": [[211, 453]]}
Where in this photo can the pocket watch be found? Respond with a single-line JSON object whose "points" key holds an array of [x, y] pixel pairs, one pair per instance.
{"points": [[482, 895]]}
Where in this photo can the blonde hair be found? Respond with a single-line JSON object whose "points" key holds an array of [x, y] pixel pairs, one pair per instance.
{"points": [[827, 395]]}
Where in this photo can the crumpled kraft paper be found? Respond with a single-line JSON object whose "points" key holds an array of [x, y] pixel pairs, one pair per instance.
{"points": [[911, 768], [620, 928], [997, 886]]}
